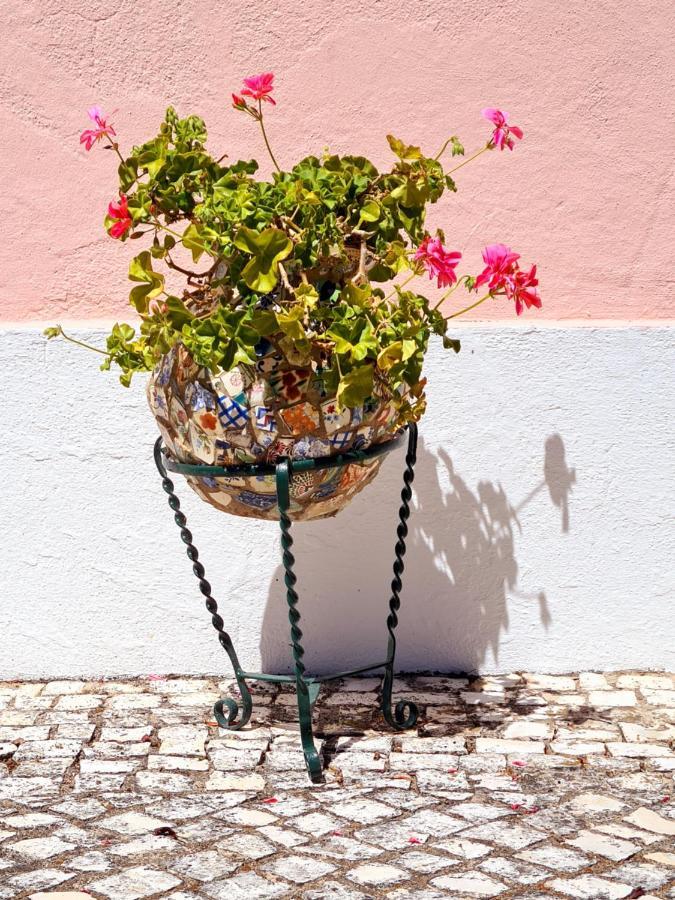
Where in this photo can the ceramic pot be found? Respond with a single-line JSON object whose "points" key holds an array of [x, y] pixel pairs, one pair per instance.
{"points": [[258, 413]]}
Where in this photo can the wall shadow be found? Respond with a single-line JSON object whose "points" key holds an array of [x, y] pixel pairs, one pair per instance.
{"points": [[461, 569]]}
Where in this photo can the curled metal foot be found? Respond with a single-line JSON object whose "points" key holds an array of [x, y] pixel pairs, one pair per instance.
{"points": [[314, 766], [230, 715], [405, 715]]}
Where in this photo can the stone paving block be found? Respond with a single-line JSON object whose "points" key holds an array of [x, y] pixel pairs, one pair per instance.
{"points": [[46, 749], [94, 861], [606, 699], [529, 730], [649, 682], [224, 781], [135, 883], [557, 858], [363, 811], [31, 820], [131, 823], [641, 875], [40, 848], [451, 745], [332, 890], [79, 701], [589, 887], [594, 681], [63, 687], [247, 886], [613, 848], [549, 682], [35, 880], [286, 837], [96, 782], [515, 837], [651, 821], [577, 748], [298, 869], [426, 863], [476, 698], [595, 803], [252, 817], [500, 746], [336, 846], [474, 884], [17, 733], [639, 750], [415, 762], [521, 873], [250, 846], [376, 874], [207, 865]]}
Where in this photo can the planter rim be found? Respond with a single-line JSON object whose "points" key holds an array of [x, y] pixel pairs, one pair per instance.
{"points": [[294, 465]]}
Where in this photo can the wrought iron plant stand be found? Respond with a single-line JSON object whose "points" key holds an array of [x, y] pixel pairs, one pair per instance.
{"points": [[232, 715]]}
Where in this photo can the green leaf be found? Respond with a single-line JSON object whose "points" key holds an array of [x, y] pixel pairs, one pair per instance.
{"points": [[264, 321], [151, 283], [268, 248], [405, 152], [193, 240], [356, 295], [451, 343], [177, 312], [356, 386], [370, 211], [450, 184], [389, 356]]}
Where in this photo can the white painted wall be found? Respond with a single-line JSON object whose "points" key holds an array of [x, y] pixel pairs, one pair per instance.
{"points": [[542, 537]]}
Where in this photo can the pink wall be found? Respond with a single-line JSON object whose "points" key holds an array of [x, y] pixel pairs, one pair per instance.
{"points": [[588, 194]]}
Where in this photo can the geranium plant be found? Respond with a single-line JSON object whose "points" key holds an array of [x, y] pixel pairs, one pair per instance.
{"points": [[323, 256]]}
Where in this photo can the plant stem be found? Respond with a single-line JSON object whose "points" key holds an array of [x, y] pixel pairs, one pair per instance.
{"points": [[82, 343], [264, 134], [467, 308], [398, 286], [469, 159], [177, 234], [447, 293], [117, 151]]}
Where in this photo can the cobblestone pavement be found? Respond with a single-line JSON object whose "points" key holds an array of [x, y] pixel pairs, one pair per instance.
{"points": [[512, 786]]}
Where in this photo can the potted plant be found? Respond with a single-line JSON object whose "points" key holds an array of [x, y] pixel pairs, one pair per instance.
{"points": [[296, 330]]}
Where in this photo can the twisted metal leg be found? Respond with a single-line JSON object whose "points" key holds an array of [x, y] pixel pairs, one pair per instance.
{"points": [[306, 693], [227, 712], [405, 712]]}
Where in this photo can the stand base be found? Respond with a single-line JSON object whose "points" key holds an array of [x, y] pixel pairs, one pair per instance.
{"points": [[233, 715]]}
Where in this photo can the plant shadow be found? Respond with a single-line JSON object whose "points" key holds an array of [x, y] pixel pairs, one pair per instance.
{"points": [[460, 572]]}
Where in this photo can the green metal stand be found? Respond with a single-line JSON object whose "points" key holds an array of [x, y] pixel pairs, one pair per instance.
{"points": [[232, 715]]}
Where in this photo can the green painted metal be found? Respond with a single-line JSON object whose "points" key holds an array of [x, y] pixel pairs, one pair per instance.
{"points": [[232, 715]]}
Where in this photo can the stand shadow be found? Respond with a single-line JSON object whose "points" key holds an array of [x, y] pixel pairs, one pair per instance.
{"points": [[460, 568]]}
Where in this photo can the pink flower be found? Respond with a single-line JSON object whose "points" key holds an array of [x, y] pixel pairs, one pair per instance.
{"points": [[439, 262], [521, 287], [119, 211], [91, 136], [259, 87], [501, 136], [499, 264]]}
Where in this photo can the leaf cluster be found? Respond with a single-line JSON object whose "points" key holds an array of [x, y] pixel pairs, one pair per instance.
{"points": [[299, 258]]}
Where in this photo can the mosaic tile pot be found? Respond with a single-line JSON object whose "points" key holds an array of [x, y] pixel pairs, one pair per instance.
{"points": [[258, 413]]}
